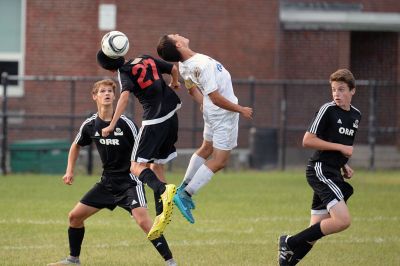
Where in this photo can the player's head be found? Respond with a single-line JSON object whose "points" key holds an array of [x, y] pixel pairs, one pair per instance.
{"points": [[104, 83], [109, 63], [169, 46], [343, 87], [344, 75]]}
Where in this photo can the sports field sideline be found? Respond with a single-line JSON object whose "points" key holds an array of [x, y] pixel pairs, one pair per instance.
{"points": [[239, 217]]}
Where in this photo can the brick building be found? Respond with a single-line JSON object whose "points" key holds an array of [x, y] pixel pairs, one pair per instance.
{"points": [[262, 39]]}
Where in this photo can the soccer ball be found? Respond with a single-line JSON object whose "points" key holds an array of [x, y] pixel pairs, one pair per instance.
{"points": [[115, 44]]}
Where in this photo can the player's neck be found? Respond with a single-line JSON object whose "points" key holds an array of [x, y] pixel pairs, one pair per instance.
{"points": [[106, 113], [187, 54]]}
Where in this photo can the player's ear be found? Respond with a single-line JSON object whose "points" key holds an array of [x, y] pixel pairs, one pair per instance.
{"points": [[353, 91], [178, 44]]}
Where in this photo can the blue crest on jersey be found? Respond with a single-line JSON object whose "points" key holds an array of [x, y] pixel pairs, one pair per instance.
{"points": [[219, 67]]}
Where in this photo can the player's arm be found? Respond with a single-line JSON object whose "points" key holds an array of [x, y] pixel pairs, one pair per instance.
{"points": [[169, 68], [223, 103], [119, 110], [196, 94], [312, 141], [72, 157], [347, 171], [175, 84]]}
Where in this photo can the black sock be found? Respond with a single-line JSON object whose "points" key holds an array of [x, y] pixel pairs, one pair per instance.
{"points": [[158, 203], [75, 236], [300, 252], [310, 234], [148, 177], [162, 247]]}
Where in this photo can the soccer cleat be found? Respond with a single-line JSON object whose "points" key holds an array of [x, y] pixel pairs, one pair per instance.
{"points": [[184, 203], [66, 261], [285, 254], [167, 198], [182, 188], [158, 227], [161, 221]]}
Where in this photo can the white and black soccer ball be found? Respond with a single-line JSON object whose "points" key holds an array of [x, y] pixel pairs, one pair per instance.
{"points": [[115, 44]]}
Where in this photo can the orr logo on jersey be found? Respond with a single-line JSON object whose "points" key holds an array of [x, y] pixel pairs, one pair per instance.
{"points": [[346, 131], [109, 141]]}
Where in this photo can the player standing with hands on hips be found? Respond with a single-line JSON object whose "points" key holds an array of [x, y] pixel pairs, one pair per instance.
{"points": [[210, 84], [155, 144], [331, 134]]}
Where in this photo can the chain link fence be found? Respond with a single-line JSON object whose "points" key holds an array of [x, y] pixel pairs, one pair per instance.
{"points": [[53, 108]]}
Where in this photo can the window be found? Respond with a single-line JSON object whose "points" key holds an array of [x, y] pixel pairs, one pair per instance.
{"points": [[12, 21]]}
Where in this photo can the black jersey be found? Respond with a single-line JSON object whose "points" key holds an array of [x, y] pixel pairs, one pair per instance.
{"points": [[115, 150], [143, 77], [332, 123]]}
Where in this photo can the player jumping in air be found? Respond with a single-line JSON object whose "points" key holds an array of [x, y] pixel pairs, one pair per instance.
{"points": [[155, 144], [210, 85]]}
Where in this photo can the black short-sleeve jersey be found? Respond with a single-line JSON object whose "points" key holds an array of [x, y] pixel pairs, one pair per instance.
{"points": [[143, 77], [332, 123], [115, 150]]}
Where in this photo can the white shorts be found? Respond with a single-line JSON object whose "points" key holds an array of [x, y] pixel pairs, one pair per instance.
{"points": [[222, 129]]}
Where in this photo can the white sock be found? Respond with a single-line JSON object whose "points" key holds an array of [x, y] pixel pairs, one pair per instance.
{"points": [[200, 179], [194, 165]]}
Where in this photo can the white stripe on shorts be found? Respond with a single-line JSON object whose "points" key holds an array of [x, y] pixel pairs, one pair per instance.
{"points": [[137, 140], [139, 191], [330, 183]]}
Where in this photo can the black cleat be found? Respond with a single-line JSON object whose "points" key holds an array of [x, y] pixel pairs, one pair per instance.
{"points": [[285, 254]]}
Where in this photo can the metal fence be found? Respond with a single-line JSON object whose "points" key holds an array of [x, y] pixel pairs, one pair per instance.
{"points": [[55, 106]]}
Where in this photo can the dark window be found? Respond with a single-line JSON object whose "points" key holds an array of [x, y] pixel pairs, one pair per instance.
{"points": [[11, 67]]}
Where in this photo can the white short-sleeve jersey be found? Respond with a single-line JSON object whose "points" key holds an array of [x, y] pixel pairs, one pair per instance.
{"points": [[208, 75]]}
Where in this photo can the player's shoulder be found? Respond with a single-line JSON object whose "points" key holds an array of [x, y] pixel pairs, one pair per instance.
{"points": [[125, 119], [90, 120], [329, 106], [141, 57], [128, 122], [354, 109]]}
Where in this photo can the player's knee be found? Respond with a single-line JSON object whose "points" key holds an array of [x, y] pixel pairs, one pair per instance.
{"points": [[343, 223], [75, 220], [135, 169], [205, 151]]}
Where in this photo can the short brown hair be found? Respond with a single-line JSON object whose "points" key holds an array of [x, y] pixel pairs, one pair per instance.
{"points": [[345, 76], [104, 82], [167, 50]]}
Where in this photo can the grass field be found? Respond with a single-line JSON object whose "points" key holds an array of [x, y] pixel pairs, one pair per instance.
{"points": [[239, 217]]}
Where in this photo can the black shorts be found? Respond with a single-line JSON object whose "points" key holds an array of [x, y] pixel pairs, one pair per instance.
{"points": [[156, 143], [329, 187], [125, 191]]}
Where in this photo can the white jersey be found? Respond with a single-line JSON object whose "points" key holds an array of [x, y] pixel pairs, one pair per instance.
{"points": [[208, 75]]}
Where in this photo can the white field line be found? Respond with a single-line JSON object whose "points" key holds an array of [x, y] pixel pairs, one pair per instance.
{"points": [[304, 218], [263, 219], [212, 242]]}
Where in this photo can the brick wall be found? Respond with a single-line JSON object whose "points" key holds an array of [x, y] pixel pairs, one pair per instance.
{"points": [[62, 38]]}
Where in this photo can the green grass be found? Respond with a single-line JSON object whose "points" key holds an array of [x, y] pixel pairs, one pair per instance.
{"points": [[239, 217]]}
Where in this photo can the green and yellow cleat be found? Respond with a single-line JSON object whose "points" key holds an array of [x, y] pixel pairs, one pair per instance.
{"points": [[162, 220]]}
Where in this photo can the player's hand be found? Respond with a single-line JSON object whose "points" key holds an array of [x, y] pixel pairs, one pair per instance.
{"points": [[175, 85], [68, 178], [347, 150], [347, 171], [247, 112], [106, 131]]}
